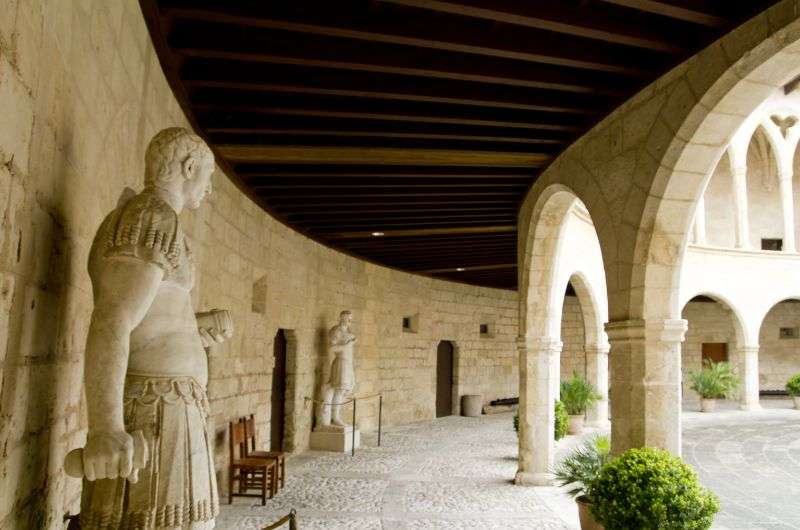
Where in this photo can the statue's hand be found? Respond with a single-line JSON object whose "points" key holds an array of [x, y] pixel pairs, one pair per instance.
{"points": [[214, 326], [108, 455]]}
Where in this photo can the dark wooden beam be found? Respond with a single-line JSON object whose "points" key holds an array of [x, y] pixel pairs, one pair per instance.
{"points": [[673, 9], [459, 35], [209, 40], [296, 79], [388, 156], [473, 269], [426, 232], [555, 16]]}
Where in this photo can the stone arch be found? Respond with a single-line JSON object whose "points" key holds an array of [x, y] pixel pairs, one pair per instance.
{"points": [[546, 270], [742, 328], [697, 146], [778, 359]]}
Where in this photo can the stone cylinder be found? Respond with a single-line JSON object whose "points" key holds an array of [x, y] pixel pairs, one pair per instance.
{"points": [[471, 405]]}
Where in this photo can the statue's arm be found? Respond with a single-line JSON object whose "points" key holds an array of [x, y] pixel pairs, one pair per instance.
{"points": [[123, 293]]}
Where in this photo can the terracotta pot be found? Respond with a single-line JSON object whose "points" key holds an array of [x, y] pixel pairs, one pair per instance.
{"points": [[796, 402], [588, 521], [575, 424], [708, 405]]}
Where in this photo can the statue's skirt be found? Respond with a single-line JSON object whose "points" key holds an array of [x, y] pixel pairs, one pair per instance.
{"points": [[177, 488]]}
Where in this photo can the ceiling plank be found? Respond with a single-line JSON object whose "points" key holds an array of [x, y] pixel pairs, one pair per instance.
{"points": [[473, 269], [190, 45], [548, 16], [458, 36], [670, 9], [388, 156], [428, 232]]}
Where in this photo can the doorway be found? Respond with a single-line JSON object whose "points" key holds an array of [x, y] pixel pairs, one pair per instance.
{"points": [[717, 352], [278, 400], [444, 379]]}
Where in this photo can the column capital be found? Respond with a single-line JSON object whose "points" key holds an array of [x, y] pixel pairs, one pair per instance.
{"points": [[666, 330]]}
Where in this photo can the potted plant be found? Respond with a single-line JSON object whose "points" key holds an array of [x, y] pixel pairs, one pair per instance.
{"points": [[577, 396], [649, 488], [561, 421], [793, 388], [714, 381], [578, 470]]}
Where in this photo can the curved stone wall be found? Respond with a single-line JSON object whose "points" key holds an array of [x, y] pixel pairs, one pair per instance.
{"points": [[81, 93]]}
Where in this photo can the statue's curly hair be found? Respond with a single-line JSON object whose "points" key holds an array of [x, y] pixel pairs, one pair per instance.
{"points": [[167, 151]]}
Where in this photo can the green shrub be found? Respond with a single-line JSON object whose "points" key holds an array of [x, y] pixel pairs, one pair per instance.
{"points": [[580, 468], [793, 385], [715, 380], [561, 421], [649, 489], [577, 395]]}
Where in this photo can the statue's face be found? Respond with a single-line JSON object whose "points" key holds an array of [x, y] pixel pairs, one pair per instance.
{"points": [[347, 320], [197, 181]]}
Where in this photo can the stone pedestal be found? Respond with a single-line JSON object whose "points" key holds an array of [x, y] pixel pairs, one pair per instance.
{"points": [[338, 440], [471, 405]]}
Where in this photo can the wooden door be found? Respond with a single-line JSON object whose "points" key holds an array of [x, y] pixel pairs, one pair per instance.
{"points": [[716, 351], [444, 379], [278, 401]]}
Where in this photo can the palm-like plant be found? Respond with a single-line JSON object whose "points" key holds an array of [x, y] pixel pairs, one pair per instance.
{"points": [[715, 380], [577, 395], [581, 467]]}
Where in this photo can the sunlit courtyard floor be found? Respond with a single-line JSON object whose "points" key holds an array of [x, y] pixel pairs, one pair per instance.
{"points": [[450, 473], [456, 473], [751, 460]]}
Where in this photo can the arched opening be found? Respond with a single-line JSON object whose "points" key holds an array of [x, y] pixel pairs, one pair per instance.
{"points": [[445, 363], [278, 396], [763, 194], [779, 343], [561, 249], [714, 333]]}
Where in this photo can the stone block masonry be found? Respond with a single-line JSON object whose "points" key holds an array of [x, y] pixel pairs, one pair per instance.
{"points": [[81, 94]]}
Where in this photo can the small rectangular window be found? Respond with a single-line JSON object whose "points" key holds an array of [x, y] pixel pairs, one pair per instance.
{"points": [[771, 244], [486, 330], [411, 324], [788, 333]]}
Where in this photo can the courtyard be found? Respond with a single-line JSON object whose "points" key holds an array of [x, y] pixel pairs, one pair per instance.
{"points": [[457, 473]]}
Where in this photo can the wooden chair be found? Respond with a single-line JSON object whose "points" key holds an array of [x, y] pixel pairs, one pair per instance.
{"points": [[250, 449], [249, 472]]}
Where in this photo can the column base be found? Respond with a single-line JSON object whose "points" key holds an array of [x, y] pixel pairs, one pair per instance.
{"points": [[525, 478], [750, 407]]}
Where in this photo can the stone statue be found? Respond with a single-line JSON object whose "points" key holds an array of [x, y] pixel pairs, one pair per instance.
{"points": [[146, 368], [341, 378]]}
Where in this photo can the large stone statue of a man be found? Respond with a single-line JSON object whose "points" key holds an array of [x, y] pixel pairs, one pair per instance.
{"points": [[341, 378], [146, 368]]}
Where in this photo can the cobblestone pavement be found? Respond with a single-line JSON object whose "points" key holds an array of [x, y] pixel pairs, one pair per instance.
{"points": [[451, 473], [751, 460]]}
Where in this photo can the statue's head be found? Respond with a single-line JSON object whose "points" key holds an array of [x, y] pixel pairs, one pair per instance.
{"points": [[180, 161], [345, 318]]}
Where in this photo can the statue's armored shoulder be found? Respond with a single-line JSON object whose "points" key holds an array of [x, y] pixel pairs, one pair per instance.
{"points": [[144, 227]]}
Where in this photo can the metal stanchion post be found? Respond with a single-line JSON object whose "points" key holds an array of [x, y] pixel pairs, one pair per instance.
{"points": [[380, 417], [353, 449]]}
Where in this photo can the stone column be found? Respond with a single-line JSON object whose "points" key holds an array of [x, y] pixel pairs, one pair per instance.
{"points": [[597, 375], [740, 206], [787, 203], [645, 389], [747, 364], [537, 358], [700, 222]]}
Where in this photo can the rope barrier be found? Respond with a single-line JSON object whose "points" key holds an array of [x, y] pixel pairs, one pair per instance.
{"points": [[290, 518], [353, 401]]}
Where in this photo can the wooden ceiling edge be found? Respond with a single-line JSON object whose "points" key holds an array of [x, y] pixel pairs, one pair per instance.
{"points": [[366, 234], [152, 19]]}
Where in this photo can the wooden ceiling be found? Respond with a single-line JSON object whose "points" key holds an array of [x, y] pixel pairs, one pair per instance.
{"points": [[422, 121]]}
